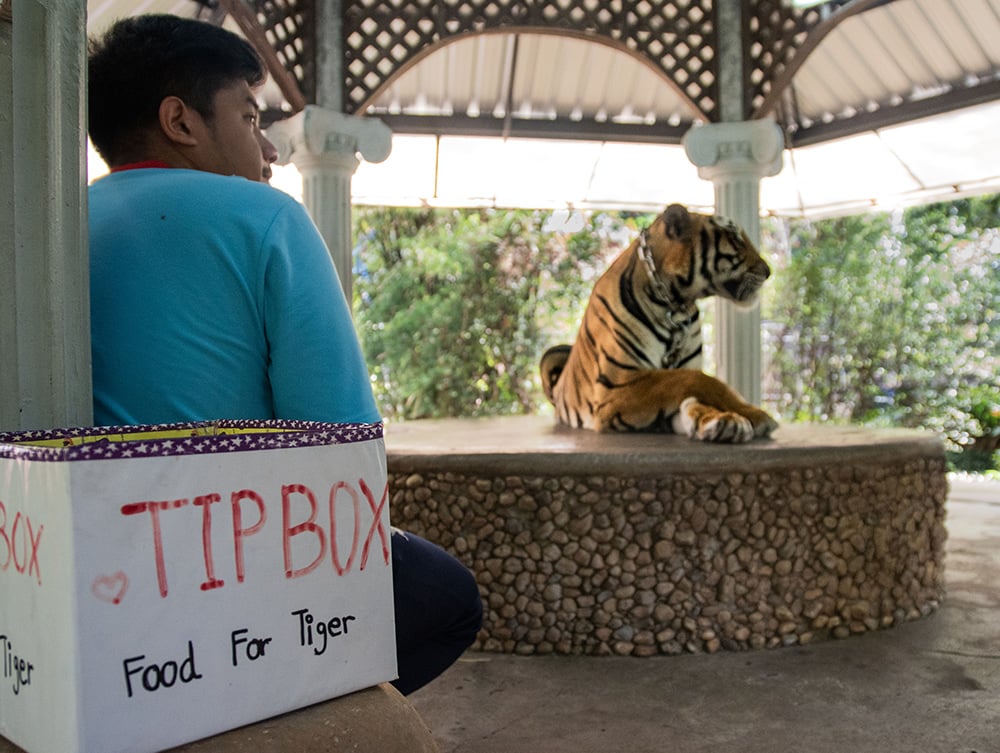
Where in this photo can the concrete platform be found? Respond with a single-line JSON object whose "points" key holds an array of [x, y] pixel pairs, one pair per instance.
{"points": [[932, 685]]}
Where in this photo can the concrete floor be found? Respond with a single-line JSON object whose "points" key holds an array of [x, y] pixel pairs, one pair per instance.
{"points": [[928, 686]]}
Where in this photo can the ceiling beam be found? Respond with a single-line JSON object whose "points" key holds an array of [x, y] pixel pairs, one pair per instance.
{"points": [[958, 98], [563, 129]]}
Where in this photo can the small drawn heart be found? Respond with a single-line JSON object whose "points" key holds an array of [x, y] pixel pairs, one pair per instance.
{"points": [[110, 588]]}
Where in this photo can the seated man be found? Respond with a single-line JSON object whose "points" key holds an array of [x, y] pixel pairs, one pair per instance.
{"points": [[214, 296]]}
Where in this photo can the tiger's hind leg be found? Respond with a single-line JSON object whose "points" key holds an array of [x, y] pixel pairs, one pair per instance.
{"points": [[696, 405]]}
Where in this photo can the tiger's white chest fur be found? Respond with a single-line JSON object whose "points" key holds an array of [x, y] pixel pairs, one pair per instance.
{"points": [[676, 320], [672, 336]]}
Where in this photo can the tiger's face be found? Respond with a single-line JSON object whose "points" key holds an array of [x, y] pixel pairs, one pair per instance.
{"points": [[708, 255]]}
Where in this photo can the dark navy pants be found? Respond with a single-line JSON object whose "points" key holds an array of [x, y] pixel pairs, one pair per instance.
{"points": [[437, 608]]}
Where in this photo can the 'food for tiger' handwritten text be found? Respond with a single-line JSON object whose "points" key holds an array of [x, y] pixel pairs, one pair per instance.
{"points": [[325, 629], [152, 676], [251, 648], [15, 668], [303, 528]]}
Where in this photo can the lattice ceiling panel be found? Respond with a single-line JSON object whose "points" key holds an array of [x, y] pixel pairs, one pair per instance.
{"points": [[291, 32], [776, 33], [383, 37]]}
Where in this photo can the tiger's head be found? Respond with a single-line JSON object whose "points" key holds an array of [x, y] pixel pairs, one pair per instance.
{"points": [[702, 255]]}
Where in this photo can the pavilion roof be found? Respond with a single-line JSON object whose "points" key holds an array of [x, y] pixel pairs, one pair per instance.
{"points": [[644, 72]]}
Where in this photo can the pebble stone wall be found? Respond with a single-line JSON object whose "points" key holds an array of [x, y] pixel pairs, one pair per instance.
{"points": [[689, 561]]}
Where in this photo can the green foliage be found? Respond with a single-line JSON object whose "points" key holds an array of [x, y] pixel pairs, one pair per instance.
{"points": [[890, 320], [819, 316], [886, 320], [454, 308], [985, 409]]}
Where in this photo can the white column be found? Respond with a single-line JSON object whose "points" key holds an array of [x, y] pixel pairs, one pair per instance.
{"points": [[326, 147], [735, 156], [329, 15], [45, 378]]}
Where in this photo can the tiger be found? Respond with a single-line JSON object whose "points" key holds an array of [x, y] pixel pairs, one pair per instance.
{"points": [[636, 362]]}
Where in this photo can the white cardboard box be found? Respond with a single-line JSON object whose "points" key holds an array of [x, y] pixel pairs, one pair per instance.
{"points": [[163, 584]]}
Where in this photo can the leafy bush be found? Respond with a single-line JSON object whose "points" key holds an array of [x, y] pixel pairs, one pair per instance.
{"points": [[454, 308], [889, 320]]}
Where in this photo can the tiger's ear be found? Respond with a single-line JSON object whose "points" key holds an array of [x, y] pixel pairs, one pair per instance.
{"points": [[676, 222]]}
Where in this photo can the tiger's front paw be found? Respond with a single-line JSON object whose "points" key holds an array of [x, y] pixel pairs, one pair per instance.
{"points": [[763, 423], [699, 421]]}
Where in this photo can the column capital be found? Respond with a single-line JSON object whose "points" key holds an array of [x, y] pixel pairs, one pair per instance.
{"points": [[318, 132], [752, 147], [326, 146]]}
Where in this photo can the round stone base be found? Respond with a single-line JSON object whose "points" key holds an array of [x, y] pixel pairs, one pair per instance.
{"points": [[642, 544]]}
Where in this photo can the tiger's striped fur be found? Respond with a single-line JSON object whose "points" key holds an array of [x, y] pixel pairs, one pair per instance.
{"points": [[636, 362]]}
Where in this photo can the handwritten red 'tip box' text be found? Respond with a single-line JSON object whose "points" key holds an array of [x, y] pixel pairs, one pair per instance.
{"points": [[162, 584]]}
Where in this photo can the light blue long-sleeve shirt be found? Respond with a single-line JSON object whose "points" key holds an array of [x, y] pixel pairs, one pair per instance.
{"points": [[215, 297]]}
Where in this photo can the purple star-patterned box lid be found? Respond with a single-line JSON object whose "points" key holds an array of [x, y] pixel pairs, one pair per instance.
{"points": [[194, 438]]}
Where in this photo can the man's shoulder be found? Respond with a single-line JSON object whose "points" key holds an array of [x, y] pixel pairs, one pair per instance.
{"points": [[191, 182], [241, 191], [194, 189]]}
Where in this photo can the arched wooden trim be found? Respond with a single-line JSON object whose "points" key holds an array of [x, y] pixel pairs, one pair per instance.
{"points": [[434, 47], [801, 31], [256, 34]]}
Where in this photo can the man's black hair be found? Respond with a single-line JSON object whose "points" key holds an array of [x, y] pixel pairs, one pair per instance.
{"points": [[144, 59]]}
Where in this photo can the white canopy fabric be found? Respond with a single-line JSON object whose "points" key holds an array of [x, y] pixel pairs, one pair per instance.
{"points": [[936, 159]]}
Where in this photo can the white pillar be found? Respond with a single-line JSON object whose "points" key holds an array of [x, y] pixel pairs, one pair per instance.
{"points": [[45, 378], [329, 15], [735, 156], [326, 147]]}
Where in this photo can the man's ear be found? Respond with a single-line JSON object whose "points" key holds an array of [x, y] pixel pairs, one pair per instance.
{"points": [[179, 122]]}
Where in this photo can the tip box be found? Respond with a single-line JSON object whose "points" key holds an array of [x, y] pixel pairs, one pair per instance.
{"points": [[162, 584]]}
